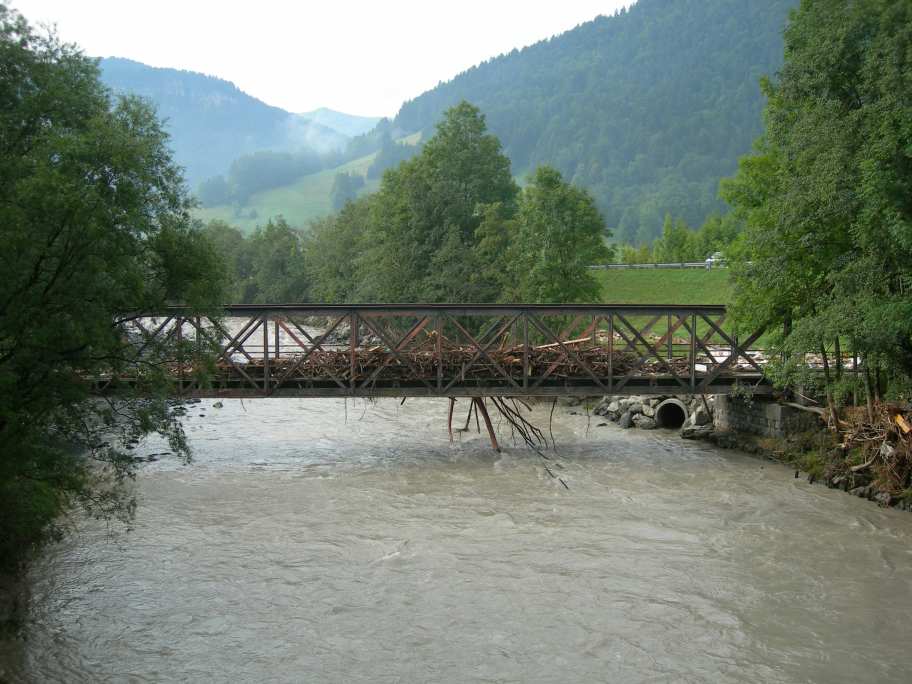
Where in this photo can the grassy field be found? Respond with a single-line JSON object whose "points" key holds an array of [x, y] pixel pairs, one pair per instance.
{"points": [[306, 199], [664, 286], [300, 202]]}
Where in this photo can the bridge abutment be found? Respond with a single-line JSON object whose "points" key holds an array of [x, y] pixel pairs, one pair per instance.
{"points": [[761, 416]]}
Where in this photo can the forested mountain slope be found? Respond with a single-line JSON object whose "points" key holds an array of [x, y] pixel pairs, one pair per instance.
{"points": [[648, 108], [212, 122]]}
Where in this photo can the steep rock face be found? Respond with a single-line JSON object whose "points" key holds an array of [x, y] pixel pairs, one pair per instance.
{"points": [[648, 108]]}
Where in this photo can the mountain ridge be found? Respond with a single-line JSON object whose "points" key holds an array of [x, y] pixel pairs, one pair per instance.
{"points": [[212, 122]]}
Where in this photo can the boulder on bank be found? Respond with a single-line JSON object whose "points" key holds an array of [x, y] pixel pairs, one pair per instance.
{"points": [[696, 431], [644, 410], [644, 422]]}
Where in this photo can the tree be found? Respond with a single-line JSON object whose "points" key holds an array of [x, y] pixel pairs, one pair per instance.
{"points": [[389, 155], [95, 224], [633, 255], [647, 109], [331, 251], [560, 233], [675, 245], [450, 225], [826, 257], [235, 253], [422, 233], [264, 170], [214, 191], [278, 272], [717, 234], [345, 188]]}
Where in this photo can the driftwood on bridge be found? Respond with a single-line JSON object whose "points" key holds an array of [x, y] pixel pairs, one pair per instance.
{"points": [[457, 361], [457, 350]]}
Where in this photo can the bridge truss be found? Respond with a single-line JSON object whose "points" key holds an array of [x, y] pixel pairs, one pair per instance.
{"points": [[450, 351]]}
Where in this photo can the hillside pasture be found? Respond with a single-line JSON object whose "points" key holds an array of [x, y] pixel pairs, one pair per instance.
{"points": [[664, 286]]}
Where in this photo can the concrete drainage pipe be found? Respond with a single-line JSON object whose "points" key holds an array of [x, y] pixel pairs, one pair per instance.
{"points": [[671, 413]]}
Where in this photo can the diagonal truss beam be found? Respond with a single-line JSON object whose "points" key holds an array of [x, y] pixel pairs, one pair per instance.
{"points": [[236, 343], [569, 353], [400, 346], [737, 352], [701, 343], [734, 344], [252, 326], [650, 350], [631, 344], [394, 349], [481, 348], [315, 345]]}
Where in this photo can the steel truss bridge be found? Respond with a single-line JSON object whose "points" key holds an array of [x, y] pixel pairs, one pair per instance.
{"points": [[449, 350]]}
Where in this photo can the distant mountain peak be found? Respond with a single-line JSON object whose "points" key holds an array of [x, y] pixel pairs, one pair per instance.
{"points": [[350, 125]]}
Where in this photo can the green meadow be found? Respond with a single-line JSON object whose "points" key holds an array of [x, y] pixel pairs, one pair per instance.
{"points": [[665, 286], [306, 199]]}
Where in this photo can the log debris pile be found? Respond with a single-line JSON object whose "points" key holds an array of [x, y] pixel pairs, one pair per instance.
{"points": [[567, 360], [877, 448]]}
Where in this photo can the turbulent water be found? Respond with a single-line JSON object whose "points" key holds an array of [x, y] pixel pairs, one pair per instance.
{"points": [[308, 542]]}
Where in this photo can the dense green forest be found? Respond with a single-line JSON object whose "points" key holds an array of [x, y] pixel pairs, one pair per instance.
{"points": [[256, 172], [648, 109]]}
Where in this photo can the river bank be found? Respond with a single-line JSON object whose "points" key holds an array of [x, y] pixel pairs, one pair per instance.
{"points": [[852, 461]]}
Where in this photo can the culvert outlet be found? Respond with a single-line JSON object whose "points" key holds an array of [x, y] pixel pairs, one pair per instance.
{"points": [[671, 413]]}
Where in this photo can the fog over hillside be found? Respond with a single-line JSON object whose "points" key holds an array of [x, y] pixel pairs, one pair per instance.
{"points": [[212, 122]]}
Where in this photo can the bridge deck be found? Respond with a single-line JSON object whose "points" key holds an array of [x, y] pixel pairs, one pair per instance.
{"points": [[451, 350]]}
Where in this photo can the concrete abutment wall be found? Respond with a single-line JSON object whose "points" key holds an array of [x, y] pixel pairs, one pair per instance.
{"points": [[761, 417]]}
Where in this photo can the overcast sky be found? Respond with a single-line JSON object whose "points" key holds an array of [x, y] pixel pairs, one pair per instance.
{"points": [[361, 56]]}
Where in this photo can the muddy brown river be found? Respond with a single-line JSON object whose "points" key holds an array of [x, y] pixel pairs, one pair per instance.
{"points": [[314, 541]]}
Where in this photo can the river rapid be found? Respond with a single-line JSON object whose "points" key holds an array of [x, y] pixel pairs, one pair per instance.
{"points": [[318, 540]]}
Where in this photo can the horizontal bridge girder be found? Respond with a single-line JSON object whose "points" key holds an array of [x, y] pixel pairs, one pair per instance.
{"points": [[630, 389], [451, 309]]}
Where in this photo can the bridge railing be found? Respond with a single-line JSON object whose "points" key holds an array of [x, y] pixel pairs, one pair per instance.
{"points": [[661, 266], [455, 350]]}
